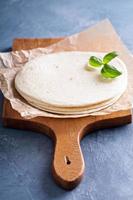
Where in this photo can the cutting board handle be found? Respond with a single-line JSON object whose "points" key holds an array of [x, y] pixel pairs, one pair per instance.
{"points": [[68, 162]]}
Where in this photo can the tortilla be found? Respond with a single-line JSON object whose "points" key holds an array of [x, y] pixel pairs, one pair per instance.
{"points": [[60, 83]]}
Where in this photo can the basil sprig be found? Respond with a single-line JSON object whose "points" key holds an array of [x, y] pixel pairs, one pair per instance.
{"points": [[107, 71]]}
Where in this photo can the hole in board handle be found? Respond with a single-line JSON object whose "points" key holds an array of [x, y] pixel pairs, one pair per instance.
{"points": [[67, 160]]}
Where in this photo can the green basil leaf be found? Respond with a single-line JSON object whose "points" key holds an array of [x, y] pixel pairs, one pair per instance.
{"points": [[108, 57], [95, 62], [109, 71]]}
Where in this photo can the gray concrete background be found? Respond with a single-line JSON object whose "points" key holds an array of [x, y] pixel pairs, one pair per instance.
{"points": [[25, 157]]}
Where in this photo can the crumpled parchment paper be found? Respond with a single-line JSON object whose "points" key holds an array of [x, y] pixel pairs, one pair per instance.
{"points": [[100, 37]]}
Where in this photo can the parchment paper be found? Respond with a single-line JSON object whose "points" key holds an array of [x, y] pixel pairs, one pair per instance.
{"points": [[101, 38]]}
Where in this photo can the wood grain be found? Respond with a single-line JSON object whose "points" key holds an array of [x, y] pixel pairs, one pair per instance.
{"points": [[68, 163], [19, 43]]}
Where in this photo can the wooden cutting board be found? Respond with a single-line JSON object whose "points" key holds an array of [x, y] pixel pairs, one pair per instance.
{"points": [[68, 162]]}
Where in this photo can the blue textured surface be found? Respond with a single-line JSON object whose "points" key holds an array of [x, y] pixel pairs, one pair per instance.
{"points": [[25, 157]]}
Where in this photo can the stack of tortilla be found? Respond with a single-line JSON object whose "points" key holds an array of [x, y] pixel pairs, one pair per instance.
{"points": [[63, 83]]}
